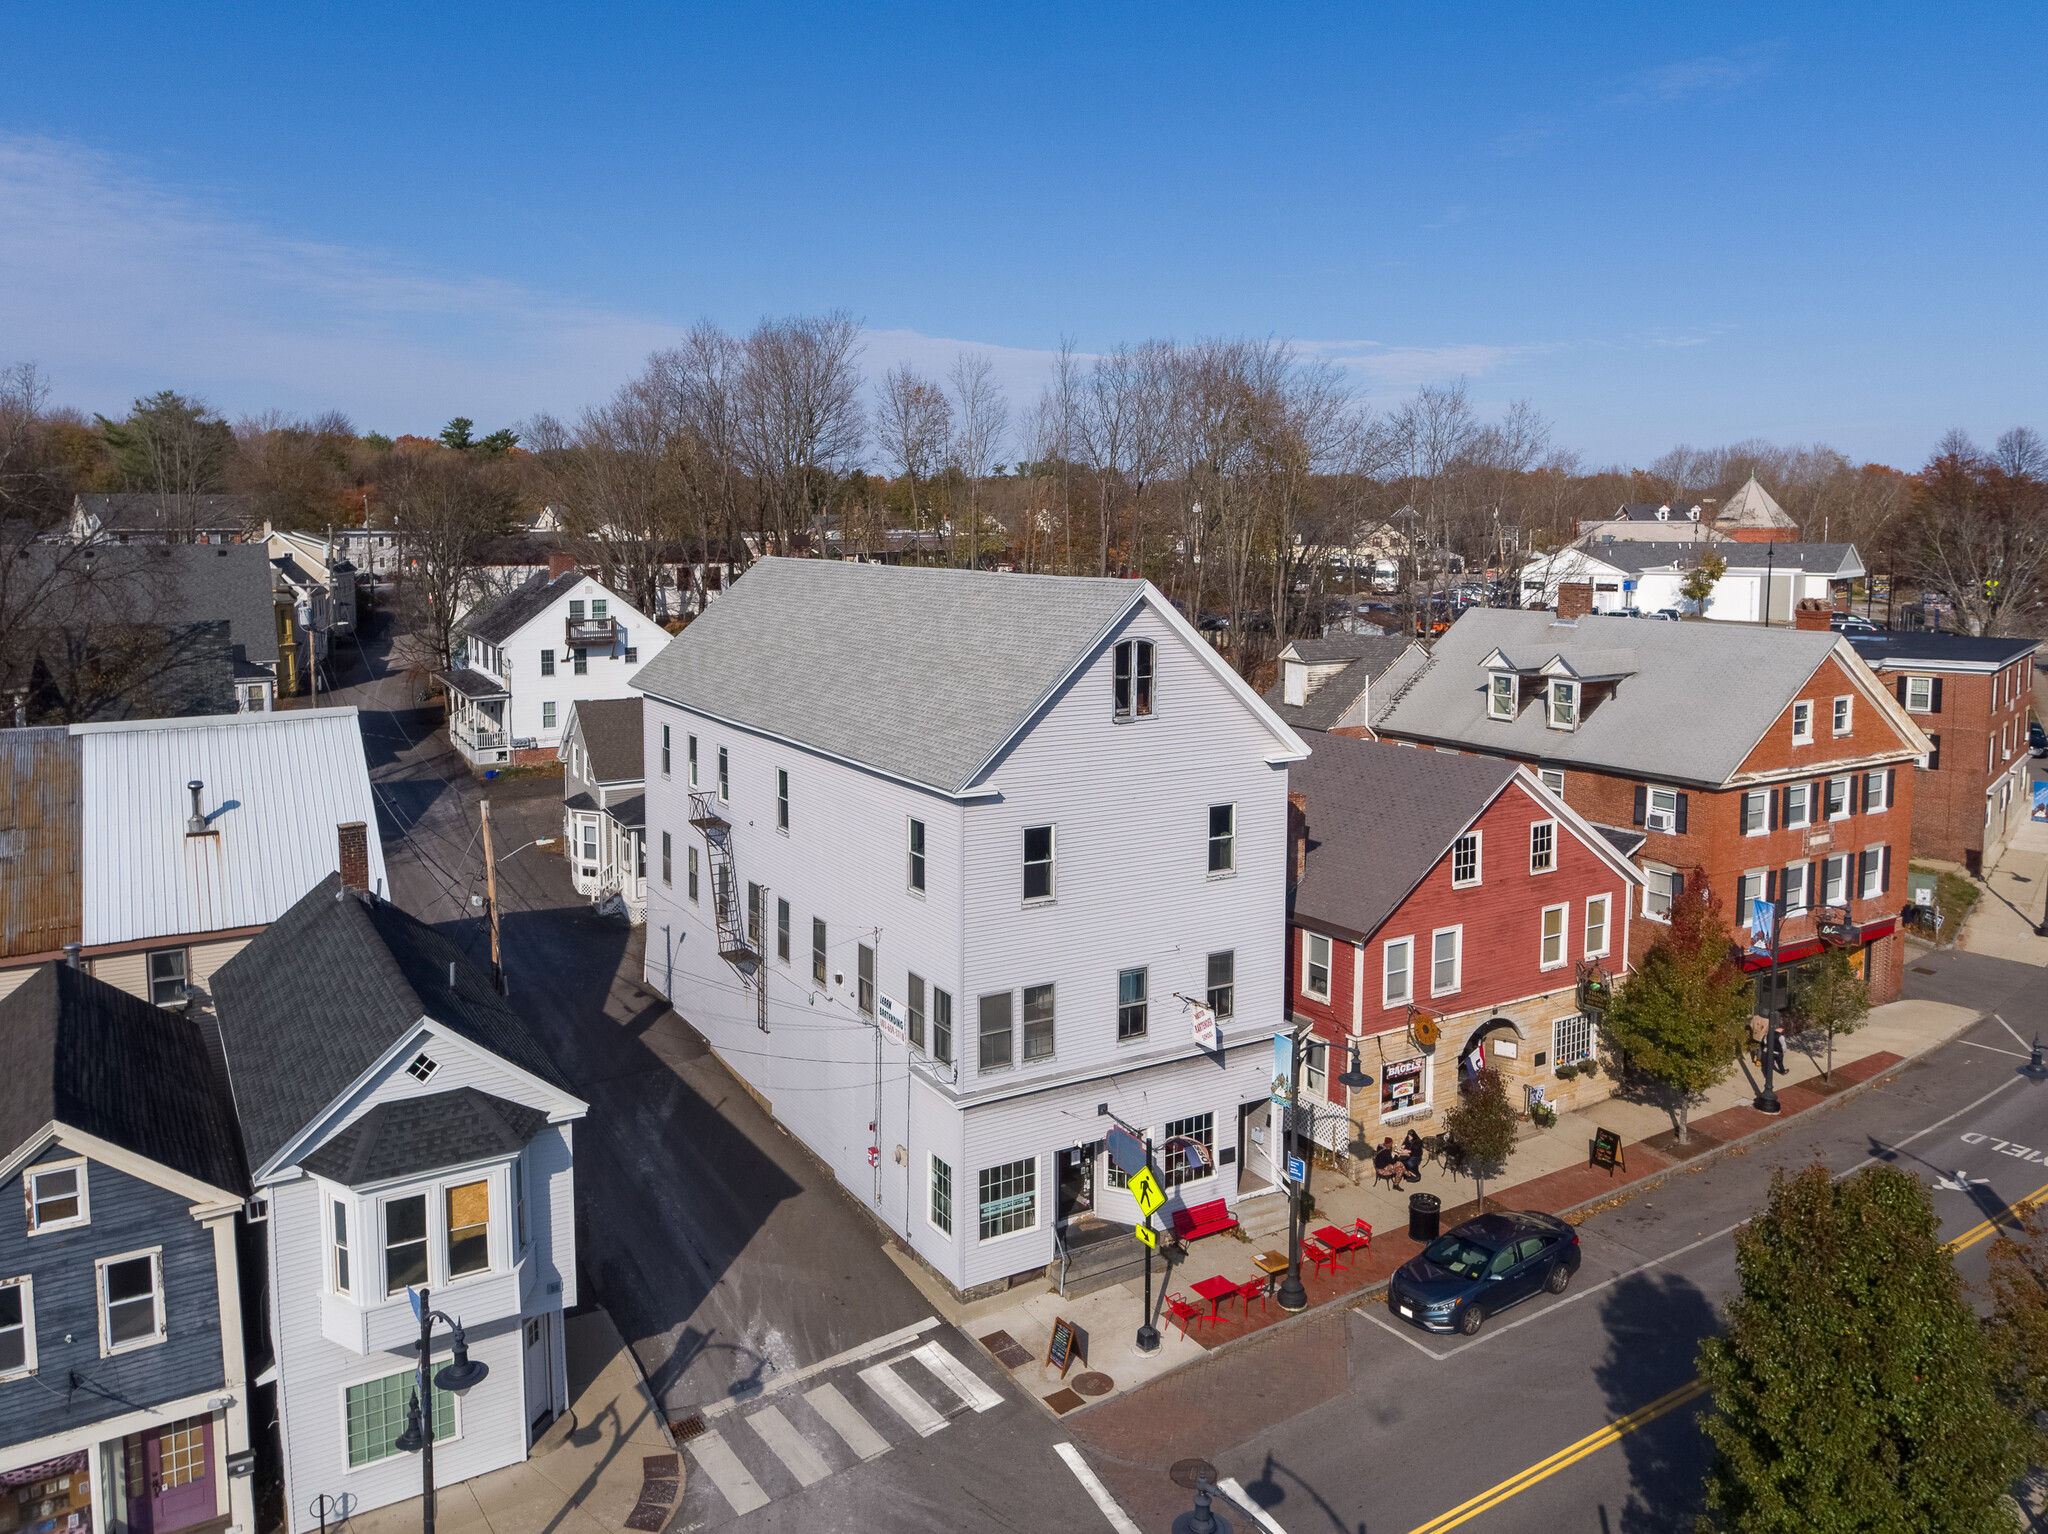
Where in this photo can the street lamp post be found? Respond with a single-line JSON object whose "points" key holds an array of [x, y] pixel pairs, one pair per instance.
{"points": [[461, 1375], [1291, 1293], [1766, 1101]]}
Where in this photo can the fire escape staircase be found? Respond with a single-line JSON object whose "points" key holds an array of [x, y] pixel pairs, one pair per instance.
{"points": [[735, 945]]}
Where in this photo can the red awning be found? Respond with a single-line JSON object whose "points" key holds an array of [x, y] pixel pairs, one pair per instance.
{"points": [[1792, 952]]}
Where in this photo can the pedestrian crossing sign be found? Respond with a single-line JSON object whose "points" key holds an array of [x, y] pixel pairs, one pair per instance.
{"points": [[1146, 1190], [1144, 1232]]}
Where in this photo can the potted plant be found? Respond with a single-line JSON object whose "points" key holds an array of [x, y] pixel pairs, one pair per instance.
{"points": [[1567, 1073]]}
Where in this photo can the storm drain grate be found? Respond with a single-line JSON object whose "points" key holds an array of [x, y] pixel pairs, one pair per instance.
{"points": [[686, 1428]]}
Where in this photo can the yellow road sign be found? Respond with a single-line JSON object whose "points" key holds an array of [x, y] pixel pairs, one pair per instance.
{"points": [[1146, 1190], [1146, 1234]]}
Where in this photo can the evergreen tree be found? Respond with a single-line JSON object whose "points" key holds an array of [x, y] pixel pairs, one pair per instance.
{"points": [[1483, 1124], [1679, 1020], [456, 434], [170, 446], [1853, 1388]]}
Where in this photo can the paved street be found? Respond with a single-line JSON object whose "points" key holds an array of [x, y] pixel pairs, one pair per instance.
{"points": [[1359, 1424]]}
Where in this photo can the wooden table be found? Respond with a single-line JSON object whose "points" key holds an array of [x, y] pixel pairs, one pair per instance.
{"points": [[1272, 1264], [1216, 1290]]}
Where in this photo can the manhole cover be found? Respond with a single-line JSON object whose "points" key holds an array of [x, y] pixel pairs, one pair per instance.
{"points": [[686, 1428], [1094, 1383], [1063, 1401], [1185, 1471]]}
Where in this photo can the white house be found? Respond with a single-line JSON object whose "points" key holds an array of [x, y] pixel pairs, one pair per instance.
{"points": [[403, 1131], [604, 803], [941, 863], [526, 658], [1646, 576]]}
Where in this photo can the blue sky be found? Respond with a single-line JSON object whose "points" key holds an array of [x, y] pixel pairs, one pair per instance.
{"points": [[1660, 225]]}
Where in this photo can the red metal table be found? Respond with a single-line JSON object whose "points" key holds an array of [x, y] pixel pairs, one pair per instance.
{"points": [[1216, 1290], [1340, 1240]]}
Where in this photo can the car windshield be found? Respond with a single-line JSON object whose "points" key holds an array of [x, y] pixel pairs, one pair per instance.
{"points": [[1462, 1257]]}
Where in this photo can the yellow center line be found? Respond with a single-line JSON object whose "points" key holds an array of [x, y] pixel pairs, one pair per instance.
{"points": [[1643, 1416]]}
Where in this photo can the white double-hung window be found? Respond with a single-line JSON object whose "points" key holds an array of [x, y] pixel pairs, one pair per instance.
{"points": [[1552, 949], [1446, 960], [1397, 971], [1316, 966]]}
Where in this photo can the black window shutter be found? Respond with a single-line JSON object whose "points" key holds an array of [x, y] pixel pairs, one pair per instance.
{"points": [[1862, 867], [1771, 885], [1934, 756], [1642, 804], [1771, 807], [1681, 812], [1902, 692], [1677, 887], [1937, 695], [1884, 877], [1855, 783], [1891, 785]]}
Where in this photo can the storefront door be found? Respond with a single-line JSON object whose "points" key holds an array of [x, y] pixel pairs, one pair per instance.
{"points": [[174, 1489], [1254, 1157]]}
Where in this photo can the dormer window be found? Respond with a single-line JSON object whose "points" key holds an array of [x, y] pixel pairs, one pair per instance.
{"points": [[1294, 683], [1564, 705], [1134, 679], [1500, 696]]}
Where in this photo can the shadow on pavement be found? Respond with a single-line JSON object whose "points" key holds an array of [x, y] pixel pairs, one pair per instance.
{"points": [[1306, 1506], [1654, 1322]]}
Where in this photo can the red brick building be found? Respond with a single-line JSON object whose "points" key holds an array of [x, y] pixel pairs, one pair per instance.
{"points": [[1971, 696], [1442, 909], [1770, 763]]}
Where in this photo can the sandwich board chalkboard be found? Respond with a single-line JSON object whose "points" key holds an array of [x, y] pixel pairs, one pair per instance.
{"points": [[1061, 1351], [1607, 1151]]}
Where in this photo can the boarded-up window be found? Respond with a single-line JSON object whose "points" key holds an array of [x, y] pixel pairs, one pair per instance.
{"points": [[469, 1228]]}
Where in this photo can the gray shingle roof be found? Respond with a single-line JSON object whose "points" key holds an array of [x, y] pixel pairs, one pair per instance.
{"points": [[920, 673], [1701, 696], [86, 1054], [142, 512], [630, 811], [611, 734], [474, 684], [1379, 818], [1635, 556], [326, 990], [1905, 647], [1370, 660], [178, 583], [498, 621], [423, 1134]]}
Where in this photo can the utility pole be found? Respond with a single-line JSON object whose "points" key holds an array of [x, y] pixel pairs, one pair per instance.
{"points": [[491, 899]]}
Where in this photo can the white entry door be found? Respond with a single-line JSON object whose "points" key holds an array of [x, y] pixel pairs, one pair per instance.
{"points": [[540, 1375]]}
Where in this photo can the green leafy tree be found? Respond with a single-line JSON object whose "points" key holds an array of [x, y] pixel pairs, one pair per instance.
{"points": [[2017, 1331], [1679, 1021], [1699, 583], [1483, 1124], [1853, 1389], [1833, 998], [170, 446]]}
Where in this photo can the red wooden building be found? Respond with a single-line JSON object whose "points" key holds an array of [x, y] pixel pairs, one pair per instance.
{"points": [[1443, 909]]}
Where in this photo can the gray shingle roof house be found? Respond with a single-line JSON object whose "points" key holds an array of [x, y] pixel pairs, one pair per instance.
{"points": [[1685, 702], [120, 1292], [1341, 682], [785, 648], [404, 1129], [604, 802], [144, 517]]}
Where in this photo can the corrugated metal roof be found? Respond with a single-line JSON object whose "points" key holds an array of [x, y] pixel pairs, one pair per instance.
{"points": [[275, 788], [39, 826]]}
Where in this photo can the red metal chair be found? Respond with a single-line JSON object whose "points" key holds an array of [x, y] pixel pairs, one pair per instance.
{"points": [[1183, 1312], [1318, 1255], [1249, 1290], [1363, 1232]]}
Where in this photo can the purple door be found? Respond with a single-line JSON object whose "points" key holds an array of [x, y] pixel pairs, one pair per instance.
{"points": [[176, 1488]]}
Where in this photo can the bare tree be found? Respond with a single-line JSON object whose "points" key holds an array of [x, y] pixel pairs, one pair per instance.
{"points": [[800, 421], [1982, 525], [449, 505], [703, 375], [914, 428], [984, 417]]}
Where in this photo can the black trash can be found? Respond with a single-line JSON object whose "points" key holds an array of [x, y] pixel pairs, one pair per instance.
{"points": [[1425, 1214]]}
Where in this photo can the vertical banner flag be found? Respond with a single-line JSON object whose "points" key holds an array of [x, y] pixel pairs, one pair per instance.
{"points": [[1763, 917]]}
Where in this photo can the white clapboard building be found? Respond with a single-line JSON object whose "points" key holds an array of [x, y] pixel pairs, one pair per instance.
{"points": [[989, 838]]}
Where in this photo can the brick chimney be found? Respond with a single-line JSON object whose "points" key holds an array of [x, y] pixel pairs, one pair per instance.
{"points": [[352, 842], [560, 563], [1812, 613], [1574, 599], [1297, 832]]}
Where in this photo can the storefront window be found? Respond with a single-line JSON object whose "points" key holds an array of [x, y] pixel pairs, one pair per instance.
{"points": [[1404, 1084]]}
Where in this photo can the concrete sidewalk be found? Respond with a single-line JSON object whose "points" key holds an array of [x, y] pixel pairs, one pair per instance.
{"points": [[606, 1467], [2002, 922], [1550, 1169]]}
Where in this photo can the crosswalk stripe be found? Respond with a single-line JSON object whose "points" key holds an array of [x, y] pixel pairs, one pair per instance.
{"points": [[715, 1457], [907, 1403], [790, 1446], [1265, 1520], [849, 1424], [1097, 1492], [960, 1379]]}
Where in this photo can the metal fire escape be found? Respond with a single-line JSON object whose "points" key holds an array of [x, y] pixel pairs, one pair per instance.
{"points": [[736, 945]]}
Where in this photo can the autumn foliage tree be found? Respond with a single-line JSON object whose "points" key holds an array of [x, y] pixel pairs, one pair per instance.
{"points": [[1981, 529]]}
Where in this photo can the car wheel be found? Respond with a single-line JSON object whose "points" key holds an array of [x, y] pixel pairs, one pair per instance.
{"points": [[1560, 1278], [1471, 1319]]}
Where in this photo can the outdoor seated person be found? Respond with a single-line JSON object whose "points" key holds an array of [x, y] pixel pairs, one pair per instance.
{"points": [[1411, 1155], [1385, 1163]]}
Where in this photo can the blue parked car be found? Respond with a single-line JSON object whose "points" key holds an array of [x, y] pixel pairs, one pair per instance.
{"points": [[1483, 1267]]}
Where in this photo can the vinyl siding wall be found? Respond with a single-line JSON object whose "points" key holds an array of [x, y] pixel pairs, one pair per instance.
{"points": [[127, 1215], [609, 675], [1130, 803]]}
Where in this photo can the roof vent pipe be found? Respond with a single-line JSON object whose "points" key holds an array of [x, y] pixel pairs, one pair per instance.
{"points": [[196, 826], [451, 974], [71, 952]]}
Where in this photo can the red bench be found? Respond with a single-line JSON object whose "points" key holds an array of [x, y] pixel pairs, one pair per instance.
{"points": [[1199, 1220]]}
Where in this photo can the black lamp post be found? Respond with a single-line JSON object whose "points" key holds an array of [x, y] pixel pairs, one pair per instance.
{"points": [[1202, 1520], [1766, 1101], [458, 1377], [1291, 1293]]}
